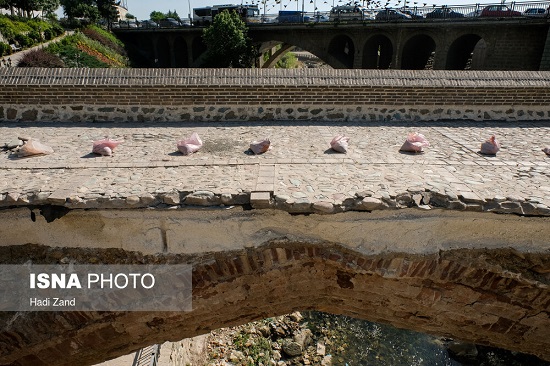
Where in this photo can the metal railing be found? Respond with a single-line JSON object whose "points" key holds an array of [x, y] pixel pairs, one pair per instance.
{"points": [[524, 9], [147, 356]]}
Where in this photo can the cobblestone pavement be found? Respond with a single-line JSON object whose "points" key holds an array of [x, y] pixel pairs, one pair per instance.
{"points": [[300, 173]]}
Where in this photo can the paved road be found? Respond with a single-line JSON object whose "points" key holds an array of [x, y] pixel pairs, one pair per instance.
{"points": [[299, 169]]}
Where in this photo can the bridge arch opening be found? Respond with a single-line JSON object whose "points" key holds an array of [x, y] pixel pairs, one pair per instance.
{"points": [[181, 52], [198, 47], [163, 53], [377, 53], [418, 53], [461, 52], [342, 49]]}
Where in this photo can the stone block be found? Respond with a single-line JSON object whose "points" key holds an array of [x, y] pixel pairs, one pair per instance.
{"points": [[260, 199]]}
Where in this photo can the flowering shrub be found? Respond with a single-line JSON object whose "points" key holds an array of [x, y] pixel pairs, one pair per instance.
{"points": [[40, 58]]}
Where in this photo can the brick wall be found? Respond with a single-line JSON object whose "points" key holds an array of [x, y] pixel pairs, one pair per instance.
{"points": [[258, 94]]}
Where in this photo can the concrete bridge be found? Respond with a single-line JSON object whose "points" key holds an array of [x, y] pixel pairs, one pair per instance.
{"points": [[478, 44], [448, 242]]}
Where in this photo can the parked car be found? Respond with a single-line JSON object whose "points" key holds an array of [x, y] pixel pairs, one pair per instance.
{"points": [[391, 14], [169, 23], [499, 11], [473, 14], [413, 14], [185, 22], [444, 13], [127, 24], [536, 13], [148, 24], [347, 13], [318, 18]]}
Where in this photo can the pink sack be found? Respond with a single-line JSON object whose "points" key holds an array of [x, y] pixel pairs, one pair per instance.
{"points": [[105, 146], [33, 147], [190, 145], [259, 147], [340, 144], [490, 147], [546, 150], [414, 143]]}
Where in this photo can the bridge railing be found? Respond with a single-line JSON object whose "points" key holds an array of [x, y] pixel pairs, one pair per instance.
{"points": [[524, 9], [147, 356]]}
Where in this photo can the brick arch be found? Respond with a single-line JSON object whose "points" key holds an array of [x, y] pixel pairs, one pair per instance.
{"points": [[469, 294], [417, 51], [462, 50], [378, 52]]}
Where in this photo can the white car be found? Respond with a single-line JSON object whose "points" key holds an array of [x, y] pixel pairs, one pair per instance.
{"points": [[473, 14], [536, 13]]}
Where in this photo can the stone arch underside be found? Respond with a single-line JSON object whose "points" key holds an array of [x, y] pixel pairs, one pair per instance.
{"points": [[378, 52], [277, 55], [181, 53], [198, 50], [162, 54], [467, 294], [342, 49], [462, 51], [417, 52]]}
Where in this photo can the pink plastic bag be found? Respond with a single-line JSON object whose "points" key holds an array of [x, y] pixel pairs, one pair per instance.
{"points": [[259, 147], [490, 147], [33, 147], [105, 146], [190, 145], [414, 143], [340, 144]]}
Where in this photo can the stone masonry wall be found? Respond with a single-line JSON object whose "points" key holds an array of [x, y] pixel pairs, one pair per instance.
{"points": [[473, 295], [174, 95]]}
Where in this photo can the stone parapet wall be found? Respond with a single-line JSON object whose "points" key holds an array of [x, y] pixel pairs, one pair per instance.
{"points": [[243, 95]]}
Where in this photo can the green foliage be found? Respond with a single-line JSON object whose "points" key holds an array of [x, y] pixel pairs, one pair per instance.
{"points": [[81, 9], [257, 349], [48, 34], [172, 14], [130, 16], [40, 58], [68, 51], [288, 61], [78, 50], [23, 40], [36, 36], [105, 38], [17, 30], [157, 16], [228, 43], [107, 9], [5, 49]]}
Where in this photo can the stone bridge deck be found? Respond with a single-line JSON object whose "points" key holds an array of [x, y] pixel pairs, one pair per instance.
{"points": [[299, 174], [476, 276]]}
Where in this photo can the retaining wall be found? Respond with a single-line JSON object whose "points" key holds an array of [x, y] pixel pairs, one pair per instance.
{"points": [[174, 95]]}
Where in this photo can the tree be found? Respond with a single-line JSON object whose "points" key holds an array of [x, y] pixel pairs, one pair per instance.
{"points": [[26, 7], [173, 15], [108, 11], [157, 16], [80, 9], [228, 43]]}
